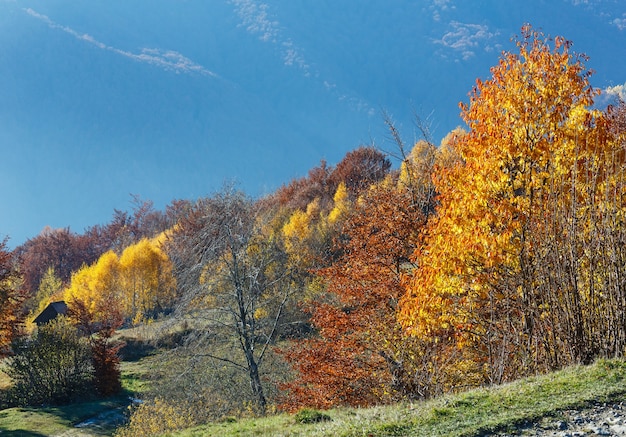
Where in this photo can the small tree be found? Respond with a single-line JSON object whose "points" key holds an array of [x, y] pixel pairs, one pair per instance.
{"points": [[11, 298], [49, 288], [104, 350], [53, 367]]}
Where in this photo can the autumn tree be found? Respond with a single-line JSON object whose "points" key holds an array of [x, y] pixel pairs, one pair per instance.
{"points": [[11, 298], [341, 205], [97, 287], [146, 280], [304, 234], [60, 249], [138, 284], [300, 192], [360, 355], [104, 348], [522, 170], [237, 281], [95, 307], [359, 169]]}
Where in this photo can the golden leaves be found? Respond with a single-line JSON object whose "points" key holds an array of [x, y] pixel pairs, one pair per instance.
{"points": [[342, 204], [136, 284], [528, 126], [146, 279]]}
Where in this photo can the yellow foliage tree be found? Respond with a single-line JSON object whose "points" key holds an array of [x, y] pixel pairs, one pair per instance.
{"points": [[49, 287], [137, 284], [416, 169], [296, 231], [447, 155], [342, 204], [147, 280], [305, 235], [476, 291], [97, 287]]}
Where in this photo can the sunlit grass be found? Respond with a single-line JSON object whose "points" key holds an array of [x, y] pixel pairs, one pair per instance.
{"points": [[471, 413], [31, 422]]}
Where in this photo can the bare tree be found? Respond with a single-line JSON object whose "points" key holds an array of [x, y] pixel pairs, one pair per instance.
{"points": [[236, 278]]}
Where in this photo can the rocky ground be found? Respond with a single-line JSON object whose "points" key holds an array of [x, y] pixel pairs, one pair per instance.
{"points": [[607, 419]]}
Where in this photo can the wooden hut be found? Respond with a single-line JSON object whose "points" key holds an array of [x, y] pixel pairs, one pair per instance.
{"points": [[51, 312]]}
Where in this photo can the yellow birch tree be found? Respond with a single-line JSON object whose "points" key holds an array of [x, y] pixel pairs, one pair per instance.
{"points": [[147, 280]]}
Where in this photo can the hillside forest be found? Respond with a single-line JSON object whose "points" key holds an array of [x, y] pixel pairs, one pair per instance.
{"points": [[497, 254]]}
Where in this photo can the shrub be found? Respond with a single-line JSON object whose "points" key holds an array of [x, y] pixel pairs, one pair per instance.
{"points": [[52, 367], [156, 417], [308, 415], [106, 363]]}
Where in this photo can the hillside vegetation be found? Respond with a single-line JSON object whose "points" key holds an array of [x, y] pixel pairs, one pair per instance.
{"points": [[472, 413], [494, 256]]}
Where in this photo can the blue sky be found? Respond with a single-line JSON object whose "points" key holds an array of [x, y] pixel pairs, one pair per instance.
{"points": [[168, 99]]}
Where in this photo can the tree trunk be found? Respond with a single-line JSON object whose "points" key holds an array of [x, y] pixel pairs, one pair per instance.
{"points": [[255, 379]]}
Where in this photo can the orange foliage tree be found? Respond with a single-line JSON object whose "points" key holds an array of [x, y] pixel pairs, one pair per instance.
{"points": [[104, 349], [359, 169], [11, 298], [361, 356], [512, 211]]}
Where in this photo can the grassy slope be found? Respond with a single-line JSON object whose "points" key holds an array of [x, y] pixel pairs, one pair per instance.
{"points": [[467, 414]]}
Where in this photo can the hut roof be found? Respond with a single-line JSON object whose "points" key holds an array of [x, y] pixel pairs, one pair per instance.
{"points": [[51, 312]]}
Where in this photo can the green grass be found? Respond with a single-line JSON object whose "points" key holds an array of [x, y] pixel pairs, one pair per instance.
{"points": [[50, 421], [30, 422], [55, 420], [472, 413], [136, 376]]}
